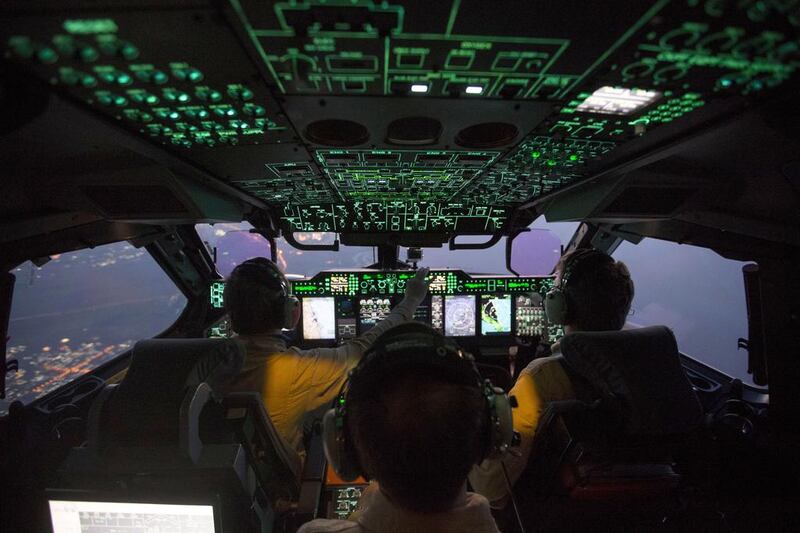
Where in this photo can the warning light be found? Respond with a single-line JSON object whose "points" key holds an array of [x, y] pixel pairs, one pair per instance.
{"points": [[419, 88]]}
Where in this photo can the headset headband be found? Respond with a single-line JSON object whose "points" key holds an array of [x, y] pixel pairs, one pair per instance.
{"points": [[266, 272], [579, 257], [408, 347]]}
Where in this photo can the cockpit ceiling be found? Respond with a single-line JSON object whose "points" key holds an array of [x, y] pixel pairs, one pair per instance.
{"points": [[363, 116]]}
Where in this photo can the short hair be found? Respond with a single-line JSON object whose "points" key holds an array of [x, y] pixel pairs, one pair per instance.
{"points": [[254, 306], [599, 291], [419, 436]]}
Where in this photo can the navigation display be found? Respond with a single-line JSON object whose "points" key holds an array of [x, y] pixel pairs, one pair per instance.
{"points": [[319, 318], [530, 316], [371, 311], [496, 314], [459, 316], [111, 517]]}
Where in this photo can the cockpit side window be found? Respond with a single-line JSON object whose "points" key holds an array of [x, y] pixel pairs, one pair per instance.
{"points": [[80, 310], [697, 293]]}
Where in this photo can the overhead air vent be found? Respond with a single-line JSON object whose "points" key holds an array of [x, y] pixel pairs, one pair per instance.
{"points": [[649, 201], [414, 131], [336, 132], [136, 201], [487, 135]]}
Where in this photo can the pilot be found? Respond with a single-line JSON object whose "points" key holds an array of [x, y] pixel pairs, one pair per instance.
{"points": [[414, 417], [296, 385], [596, 295]]}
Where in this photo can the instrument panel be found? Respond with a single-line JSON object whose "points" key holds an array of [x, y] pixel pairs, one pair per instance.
{"points": [[340, 305]]}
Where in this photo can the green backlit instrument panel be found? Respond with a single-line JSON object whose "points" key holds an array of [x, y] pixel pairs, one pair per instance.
{"points": [[397, 217], [337, 306], [164, 88], [390, 283], [297, 102]]}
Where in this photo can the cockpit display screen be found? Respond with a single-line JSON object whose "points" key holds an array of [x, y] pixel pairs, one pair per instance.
{"points": [[71, 516], [496, 314], [371, 311], [319, 318], [459, 316]]}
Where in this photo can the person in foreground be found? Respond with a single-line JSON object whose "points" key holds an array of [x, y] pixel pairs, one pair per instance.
{"points": [[592, 292], [296, 385], [414, 417]]}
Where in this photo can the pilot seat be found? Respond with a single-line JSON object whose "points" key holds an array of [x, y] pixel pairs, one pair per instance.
{"points": [[610, 460], [162, 435]]}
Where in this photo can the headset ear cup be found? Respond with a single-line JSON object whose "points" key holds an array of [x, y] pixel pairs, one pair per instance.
{"points": [[502, 432], [288, 311], [555, 307], [337, 450]]}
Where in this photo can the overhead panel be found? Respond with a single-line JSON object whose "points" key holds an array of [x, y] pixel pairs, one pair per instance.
{"points": [[368, 116]]}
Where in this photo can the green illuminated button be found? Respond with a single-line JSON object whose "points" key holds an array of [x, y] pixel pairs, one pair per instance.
{"points": [[240, 93], [120, 101], [551, 162], [225, 112], [189, 74], [254, 110], [88, 81], [151, 99], [536, 154], [22, 46], [173, 115], [194, 75], [128, 51], [104, 98], [108, 77], [573, 157], [158, 77], [88, 54], [124, 78], [239, 124], [209, 95], [46, 55]]}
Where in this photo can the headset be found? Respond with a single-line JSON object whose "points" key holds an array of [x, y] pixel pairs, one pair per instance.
{"points": [[556, 306], [268, 273], [413, 346]]}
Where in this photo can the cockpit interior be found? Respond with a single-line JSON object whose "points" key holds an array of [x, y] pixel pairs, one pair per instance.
{"points": [[148, 147]]}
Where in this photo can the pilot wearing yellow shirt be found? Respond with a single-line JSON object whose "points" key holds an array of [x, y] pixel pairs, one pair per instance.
{"points": [[296, 385], [595, 295]]}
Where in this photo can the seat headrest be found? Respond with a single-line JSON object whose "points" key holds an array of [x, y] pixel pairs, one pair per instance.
{"points": [[143, 410], [642, 369]]}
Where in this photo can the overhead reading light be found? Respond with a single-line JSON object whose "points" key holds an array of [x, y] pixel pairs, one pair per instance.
{"points": [[473, 89], [419, 88], [618, 101]]}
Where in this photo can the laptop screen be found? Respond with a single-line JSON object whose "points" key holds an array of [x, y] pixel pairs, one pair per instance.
{"points": [[116, 517]]}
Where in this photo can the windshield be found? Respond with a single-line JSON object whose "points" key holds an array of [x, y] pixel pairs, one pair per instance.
{"points": [[234, 244]]}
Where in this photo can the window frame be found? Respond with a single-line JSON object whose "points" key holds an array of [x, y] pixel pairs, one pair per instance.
{"points": [[119, 362]]}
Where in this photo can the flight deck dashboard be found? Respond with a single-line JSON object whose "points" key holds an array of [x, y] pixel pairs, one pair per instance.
{"points": [[340, 305]]}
